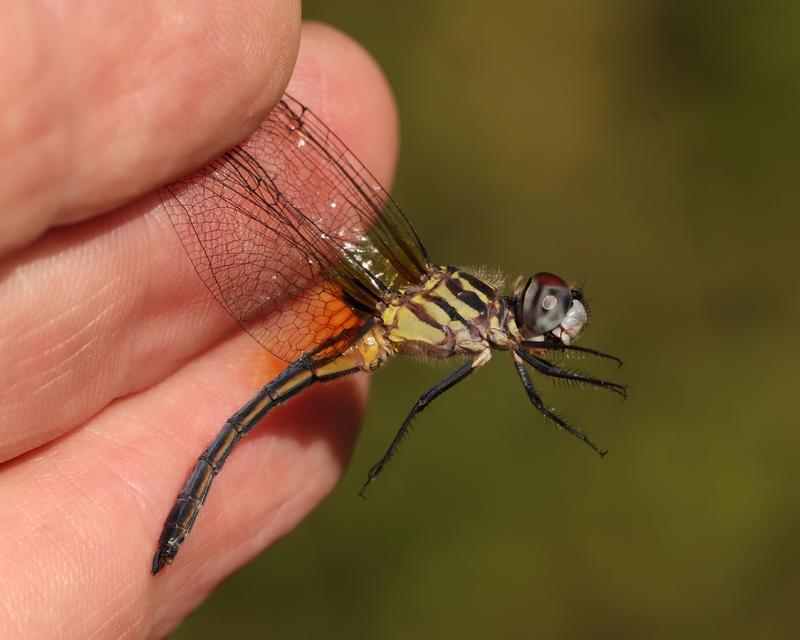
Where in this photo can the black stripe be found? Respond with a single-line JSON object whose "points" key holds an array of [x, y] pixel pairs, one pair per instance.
{"points": [[423, 316], [469, 298], [478, 285], [447, 308]]}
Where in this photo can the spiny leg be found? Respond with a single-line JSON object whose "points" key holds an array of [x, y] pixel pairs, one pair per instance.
{"points": [[454, 378], [537, 402], [295, 378], [560, 346], [554, 371]]}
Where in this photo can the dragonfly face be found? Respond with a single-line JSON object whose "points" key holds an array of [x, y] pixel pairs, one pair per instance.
{"points": [[311, 256], [547, 304]]}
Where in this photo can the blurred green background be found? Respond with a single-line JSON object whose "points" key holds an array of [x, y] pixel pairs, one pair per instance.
{"points": [[652, 148]]}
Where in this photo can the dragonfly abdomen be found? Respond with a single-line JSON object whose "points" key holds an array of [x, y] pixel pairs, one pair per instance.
{"points": [[365, 354]]}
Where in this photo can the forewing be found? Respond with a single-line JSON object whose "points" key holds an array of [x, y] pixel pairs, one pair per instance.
{"points": [[292, 234]]}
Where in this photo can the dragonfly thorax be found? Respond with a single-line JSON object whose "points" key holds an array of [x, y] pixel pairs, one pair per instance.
{"points": [[452, 312]]}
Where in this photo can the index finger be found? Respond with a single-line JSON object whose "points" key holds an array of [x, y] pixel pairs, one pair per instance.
{"points": [[95, 110]]}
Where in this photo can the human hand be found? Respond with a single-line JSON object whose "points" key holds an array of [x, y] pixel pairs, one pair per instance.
{"points": [[118, 366]]}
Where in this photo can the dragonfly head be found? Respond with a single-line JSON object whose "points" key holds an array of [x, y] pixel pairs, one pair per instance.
{"points": [[547, 305]]}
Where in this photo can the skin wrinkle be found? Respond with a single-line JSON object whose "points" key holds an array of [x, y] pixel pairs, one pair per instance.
{"points": [[19, 546], [75, 498], [168, 437], [122, 444], [10, 390], [67, 468], [66, 565], [77, 522], [124, 134], [54, 321], [93, 336], [16, 600], [49, 323], [46, 565], [80, 306], [42, 389], [136, 92], [11, 617], [107, 625], [59, 168], [287, 57], [131, 486], [23, 88], [31, 274], [42, 436], [40, 143], [120, 605]]}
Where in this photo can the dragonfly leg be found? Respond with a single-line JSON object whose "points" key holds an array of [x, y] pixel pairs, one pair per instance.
{"points": [[296, 377], [454, 378], [537, 402], [547, 368], [560, 346]]}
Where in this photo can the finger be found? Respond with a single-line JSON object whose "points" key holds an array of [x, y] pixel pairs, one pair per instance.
{"points": [[110, 306], [107, 100], [87, 509]]}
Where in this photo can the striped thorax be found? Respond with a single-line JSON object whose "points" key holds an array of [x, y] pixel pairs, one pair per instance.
{"points": [[451, 313]]}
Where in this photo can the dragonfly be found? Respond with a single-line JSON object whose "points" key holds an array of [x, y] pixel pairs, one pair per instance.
{"points": [[305, 249]]}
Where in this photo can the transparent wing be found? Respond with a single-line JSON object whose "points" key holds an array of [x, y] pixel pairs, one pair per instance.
{"points": [[293, 235]]}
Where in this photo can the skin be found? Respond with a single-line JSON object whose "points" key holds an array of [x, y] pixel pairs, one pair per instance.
{"points": [[117, 365]]}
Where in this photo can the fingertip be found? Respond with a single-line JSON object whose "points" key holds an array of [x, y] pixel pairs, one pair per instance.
{"points": [[229, 69], [114, 101]]}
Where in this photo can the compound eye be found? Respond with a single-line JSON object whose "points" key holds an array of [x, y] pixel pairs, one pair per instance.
{"points": [[545, 301]]}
